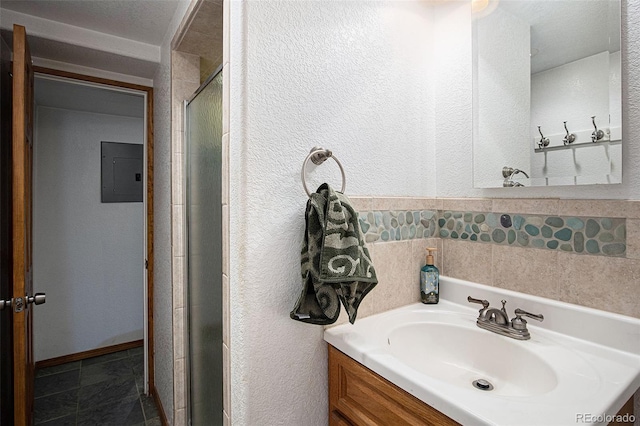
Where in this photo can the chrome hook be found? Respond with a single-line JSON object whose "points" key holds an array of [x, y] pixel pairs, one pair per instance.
{"points": [[569, 137], [597, 134], [543, 141]]}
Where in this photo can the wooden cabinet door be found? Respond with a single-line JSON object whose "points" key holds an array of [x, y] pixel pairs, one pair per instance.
{"points": [[360, 397]]}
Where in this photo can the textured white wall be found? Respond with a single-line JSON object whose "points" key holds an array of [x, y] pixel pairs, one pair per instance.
{"points": [[454, 115], [162, 274], [352, 77], [502, 97], [88, 256]]}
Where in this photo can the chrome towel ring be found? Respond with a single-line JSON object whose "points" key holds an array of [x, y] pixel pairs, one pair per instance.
{"points": [[319, 155]]}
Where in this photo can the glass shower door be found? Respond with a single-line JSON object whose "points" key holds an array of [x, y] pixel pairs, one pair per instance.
{"points": [[204, 252]]}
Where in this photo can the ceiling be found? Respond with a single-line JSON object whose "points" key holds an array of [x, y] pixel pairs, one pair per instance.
{"points": [[118, 36]]}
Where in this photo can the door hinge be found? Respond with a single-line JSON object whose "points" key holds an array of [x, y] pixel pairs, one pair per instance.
{"points": [[146, 264]]}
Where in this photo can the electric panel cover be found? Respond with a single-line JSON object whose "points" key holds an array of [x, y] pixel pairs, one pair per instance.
{"points": [[122, 174]]}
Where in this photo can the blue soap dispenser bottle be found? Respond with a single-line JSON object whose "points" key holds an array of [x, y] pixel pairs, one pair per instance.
{"points": [[430, 280]]}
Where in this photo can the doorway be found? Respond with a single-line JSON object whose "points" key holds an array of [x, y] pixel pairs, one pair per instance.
{"points": [[55, 208], [86, 248]]}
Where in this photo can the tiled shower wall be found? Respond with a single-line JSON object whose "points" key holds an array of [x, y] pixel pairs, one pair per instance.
{"points": [[185, 76], [569, 269]]}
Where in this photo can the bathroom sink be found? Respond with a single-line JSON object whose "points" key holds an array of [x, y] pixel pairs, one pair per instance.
{"points": [[578, 361], [460, 355]]}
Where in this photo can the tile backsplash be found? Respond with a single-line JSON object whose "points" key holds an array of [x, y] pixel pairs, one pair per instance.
{"points": [[585, 252]]}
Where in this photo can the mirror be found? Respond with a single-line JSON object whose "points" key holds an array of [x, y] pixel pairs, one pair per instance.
{"points": [[546, 93]]}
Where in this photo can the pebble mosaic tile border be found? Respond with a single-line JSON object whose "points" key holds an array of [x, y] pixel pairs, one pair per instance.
{"points": [[586, 235], [397, 225]]}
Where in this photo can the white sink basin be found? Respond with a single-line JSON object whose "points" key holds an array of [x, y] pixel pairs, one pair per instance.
{"points": [[460, 355], [578, 361]]}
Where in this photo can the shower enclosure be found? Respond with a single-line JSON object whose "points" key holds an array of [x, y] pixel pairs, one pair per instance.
{"points": [[203, 144]]}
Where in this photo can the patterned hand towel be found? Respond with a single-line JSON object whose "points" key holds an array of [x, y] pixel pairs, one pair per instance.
{"points": [[336, 265]]}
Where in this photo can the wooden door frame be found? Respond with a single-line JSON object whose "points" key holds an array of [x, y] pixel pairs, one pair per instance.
{"points": [[149, 259]]}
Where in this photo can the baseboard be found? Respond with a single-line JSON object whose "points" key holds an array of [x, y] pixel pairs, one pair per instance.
{"points": [[156, 399], [89, 354]]}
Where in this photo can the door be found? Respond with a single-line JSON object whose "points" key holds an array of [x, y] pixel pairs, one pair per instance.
{"points": [[204, 253], [22, 148], [6, 277]]}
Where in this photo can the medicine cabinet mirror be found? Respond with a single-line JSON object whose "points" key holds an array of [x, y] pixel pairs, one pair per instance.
{"points": [[547, 93]]}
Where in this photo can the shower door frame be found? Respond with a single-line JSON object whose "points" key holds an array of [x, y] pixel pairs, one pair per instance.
{"points": [[185, 168]]}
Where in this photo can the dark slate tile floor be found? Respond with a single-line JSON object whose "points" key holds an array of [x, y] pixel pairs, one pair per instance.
{"points": [[104, 390]]}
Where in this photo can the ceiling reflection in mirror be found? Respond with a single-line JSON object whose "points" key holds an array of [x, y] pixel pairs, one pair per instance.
{"points": [[547, 93]]}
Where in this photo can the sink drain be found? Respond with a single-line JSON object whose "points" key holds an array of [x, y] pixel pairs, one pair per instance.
{"points": [[482, 384]]}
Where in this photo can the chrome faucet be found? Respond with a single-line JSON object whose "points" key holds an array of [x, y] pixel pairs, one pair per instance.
{"points": [[498, 316], [497, 320]]}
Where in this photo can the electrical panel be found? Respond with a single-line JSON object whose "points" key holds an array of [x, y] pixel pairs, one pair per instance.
{"points": [[122, 172]]}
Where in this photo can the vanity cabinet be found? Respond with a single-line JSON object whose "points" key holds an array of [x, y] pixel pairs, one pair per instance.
{"points": [[358, 396]]}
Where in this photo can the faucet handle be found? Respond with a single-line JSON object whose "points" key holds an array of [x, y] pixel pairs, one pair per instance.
{"points": [[519, 312], [520, 324], [484, 303]]}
